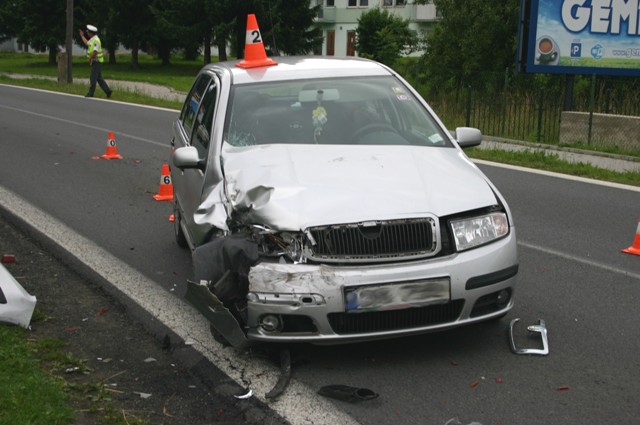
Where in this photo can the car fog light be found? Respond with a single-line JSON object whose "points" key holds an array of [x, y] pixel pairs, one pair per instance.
{"points": [[503, 298], [270, 323]]}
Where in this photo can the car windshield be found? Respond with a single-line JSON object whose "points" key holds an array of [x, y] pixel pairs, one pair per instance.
{"points": [[347, 111]]}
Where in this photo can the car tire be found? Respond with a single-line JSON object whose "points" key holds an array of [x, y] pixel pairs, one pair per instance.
{"points": [[181, 238]]}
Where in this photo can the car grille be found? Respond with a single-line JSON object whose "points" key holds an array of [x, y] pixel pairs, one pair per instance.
{"points": [[375, 241], [391, 320]]}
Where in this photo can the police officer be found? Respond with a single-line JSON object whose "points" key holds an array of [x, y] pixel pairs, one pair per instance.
{"points": [[95, 56]]}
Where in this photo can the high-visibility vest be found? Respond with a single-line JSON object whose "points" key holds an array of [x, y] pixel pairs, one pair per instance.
{"points": [[95, 44]]}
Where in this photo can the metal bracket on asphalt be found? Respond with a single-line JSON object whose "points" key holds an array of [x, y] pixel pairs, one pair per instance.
{"points": [[539, 328]]}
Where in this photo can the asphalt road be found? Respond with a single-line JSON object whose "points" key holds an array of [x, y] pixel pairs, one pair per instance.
{"points": [[572, 275]]}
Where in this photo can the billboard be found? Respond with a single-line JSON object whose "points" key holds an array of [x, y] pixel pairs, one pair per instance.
{"points": [[580, 37]]}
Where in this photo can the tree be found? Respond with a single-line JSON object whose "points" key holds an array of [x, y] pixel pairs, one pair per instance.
{"points": [[41, 25], [384, 37], [472, 37], [222, 15], [133, 26], [289, 27], [9, 20]]}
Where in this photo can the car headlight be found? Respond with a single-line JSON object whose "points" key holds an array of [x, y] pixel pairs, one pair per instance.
{"points": [[472, 232]]}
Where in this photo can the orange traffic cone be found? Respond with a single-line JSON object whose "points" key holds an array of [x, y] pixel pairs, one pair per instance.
{"points": [[165, 192], [635, 248], [172, 218], [254, 53], [112, 149]]}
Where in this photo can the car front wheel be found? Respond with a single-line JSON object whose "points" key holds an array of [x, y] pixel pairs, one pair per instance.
{"points": [[181, 239]]}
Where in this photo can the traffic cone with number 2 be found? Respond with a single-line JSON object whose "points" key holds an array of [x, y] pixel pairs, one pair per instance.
{"points": [[165, 192], [635, 248], [254, 54], [112, 149]]}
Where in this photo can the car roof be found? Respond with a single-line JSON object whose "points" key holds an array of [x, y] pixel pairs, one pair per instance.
{"points": [[301, 67]]}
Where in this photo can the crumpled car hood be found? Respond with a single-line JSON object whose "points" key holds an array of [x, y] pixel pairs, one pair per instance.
{"points": [[292, 187]]}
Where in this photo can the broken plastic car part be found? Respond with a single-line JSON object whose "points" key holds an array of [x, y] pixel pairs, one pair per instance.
{"points": [[210, 306], [539, 328], [347, 393], [16, 305]]}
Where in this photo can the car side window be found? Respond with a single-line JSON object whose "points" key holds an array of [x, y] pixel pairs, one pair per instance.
{"points": [[192, 104], [204, 120]]}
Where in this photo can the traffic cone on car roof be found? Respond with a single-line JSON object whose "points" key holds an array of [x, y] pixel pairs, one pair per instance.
{"points": [[254, 53], [165, 192], [635, 248], [112, 149]]}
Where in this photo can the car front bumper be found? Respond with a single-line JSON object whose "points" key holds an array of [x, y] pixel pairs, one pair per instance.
{"points": [[306, 303]]}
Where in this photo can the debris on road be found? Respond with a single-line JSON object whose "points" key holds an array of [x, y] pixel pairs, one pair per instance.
{"points": [[456, 421], [539, 328], [245, 396], [16, 304], [8, 259], [347, 393], [102, 311], [142, 395], [285, 375]]}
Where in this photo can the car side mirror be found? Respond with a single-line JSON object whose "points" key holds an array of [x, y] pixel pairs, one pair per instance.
{"points": [[186, 157], [467, 137]]}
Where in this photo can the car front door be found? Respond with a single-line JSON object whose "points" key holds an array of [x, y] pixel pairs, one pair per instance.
{"points": [[194, 128]]}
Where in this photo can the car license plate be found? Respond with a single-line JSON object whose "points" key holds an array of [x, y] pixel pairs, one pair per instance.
{"points": [[397, 296]]}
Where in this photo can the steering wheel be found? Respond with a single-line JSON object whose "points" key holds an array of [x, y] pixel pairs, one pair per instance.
{"points": [[372, 128]]}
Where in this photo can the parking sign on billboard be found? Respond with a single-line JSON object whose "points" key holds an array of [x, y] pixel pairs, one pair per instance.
{"points": [[580, 36]]}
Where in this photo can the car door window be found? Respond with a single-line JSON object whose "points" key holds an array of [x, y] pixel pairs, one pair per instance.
{"points": [[204, 120], [190, 109]]}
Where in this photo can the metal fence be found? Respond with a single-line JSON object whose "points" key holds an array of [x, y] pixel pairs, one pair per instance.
{"points": [[582, 111]]}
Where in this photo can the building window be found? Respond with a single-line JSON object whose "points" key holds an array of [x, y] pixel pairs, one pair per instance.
{"points": [[331, 3], [356, 3], [390, 3]]}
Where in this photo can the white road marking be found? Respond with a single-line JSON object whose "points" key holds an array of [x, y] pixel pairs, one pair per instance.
{"points": [[558, 175], [81, 124], [93, 99], [580, 260]]}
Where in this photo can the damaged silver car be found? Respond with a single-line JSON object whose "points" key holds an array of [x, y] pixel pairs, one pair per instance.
{"points": [[325, 202]]}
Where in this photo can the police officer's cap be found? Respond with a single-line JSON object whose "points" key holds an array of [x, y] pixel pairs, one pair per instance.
{"points": [[92, 28]]}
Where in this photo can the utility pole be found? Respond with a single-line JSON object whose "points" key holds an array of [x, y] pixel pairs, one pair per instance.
{"points": [[69, 41]]}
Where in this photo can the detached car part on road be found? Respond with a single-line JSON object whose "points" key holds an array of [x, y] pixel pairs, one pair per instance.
{"points": [[325, 202], [16, 304]]}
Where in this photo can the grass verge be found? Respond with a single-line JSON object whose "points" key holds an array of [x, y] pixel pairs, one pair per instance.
{"points": [[29, 395], [551, 162], [38, 385], [81, 89]]}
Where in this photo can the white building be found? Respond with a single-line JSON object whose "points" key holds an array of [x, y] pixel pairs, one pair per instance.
{"points": [[339, 20]]}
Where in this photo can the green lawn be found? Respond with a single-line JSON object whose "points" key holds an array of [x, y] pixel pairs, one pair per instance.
{"points": [[543, 161], [178, 75], [29, 395]]}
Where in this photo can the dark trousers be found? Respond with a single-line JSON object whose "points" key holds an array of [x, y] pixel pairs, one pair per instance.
{"points": [[96, 77]]}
